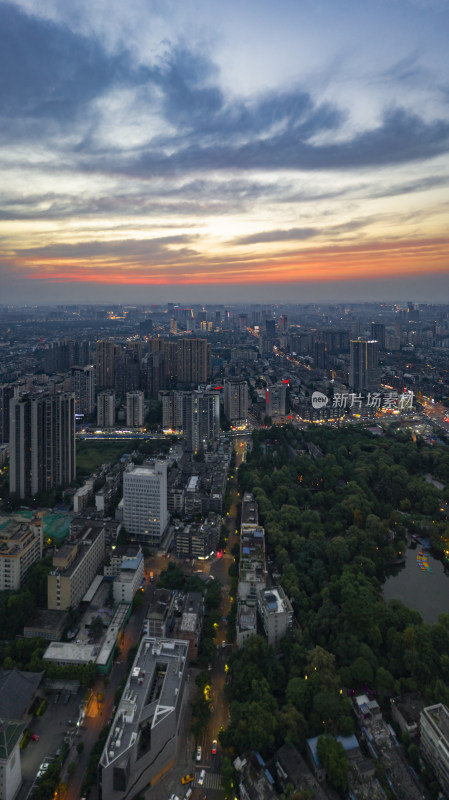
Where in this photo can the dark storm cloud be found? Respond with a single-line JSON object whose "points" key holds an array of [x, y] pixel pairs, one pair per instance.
{"points": [[50, 76], [48, 72]]}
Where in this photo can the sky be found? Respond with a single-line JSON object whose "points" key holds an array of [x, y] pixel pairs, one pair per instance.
{"points": [[224, 151]]}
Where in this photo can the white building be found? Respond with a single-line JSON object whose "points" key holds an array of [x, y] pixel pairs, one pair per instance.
{"points": [[434, 724], [11, 732], [20, 548], [129, 579], [106, 409], [276, 614], [134, 409], [236, 400], [145, 513]]}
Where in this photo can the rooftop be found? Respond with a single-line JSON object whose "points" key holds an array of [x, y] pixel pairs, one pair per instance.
{"points": [[150, 695]]}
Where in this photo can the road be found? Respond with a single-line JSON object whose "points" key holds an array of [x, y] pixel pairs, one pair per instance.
{"points": [[98, 714]]}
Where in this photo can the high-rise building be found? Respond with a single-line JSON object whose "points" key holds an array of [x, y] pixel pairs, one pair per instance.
{"points": [[134, 409], [270, 328], [236, 400], [363, 365], [83, 387], [378, 332], [194, 361], [42, 443], [105, 363], [276, 400], [320, 355], [201, 419], [6, 393], [127, 364], [106, 409], [145, 514]]}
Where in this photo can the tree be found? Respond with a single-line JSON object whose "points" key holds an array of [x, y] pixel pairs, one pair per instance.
{"points": [[333, 758]]}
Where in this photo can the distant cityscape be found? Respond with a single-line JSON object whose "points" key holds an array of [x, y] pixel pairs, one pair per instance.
{"points": [[190, 495]]}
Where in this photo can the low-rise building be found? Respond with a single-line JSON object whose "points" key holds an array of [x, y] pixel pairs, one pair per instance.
{"points": [[129, 579], [435, 741], [160, 614], [191, 622], [276, 614], [21, 545], [75, 565], [406, 711], [142, 742]]}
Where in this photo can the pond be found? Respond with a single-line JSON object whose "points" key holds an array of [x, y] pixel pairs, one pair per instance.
{"points": [[426, 592]]}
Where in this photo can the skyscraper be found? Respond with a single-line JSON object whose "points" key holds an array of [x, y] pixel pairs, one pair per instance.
{"points": [[363, 365], [105, 363], [83, 387], [134, 409], [201, 419], [42, 443], [193, 361], [378, 332], [236, 400], [106, 409]]}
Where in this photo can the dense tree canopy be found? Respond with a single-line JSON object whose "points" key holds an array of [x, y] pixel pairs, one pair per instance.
{"points": [[333, 525]]}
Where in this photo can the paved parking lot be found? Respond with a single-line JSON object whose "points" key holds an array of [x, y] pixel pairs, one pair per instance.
{"points": [[51, 729]]}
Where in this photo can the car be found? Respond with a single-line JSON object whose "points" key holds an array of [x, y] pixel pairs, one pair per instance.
{"points": [[187, 778], [35, 737], [188, 793], [201, 778], [66, 698], [214, 747], [198, 753]]}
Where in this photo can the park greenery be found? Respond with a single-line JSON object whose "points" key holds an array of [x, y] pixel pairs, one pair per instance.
{"points": [[334, 525]]}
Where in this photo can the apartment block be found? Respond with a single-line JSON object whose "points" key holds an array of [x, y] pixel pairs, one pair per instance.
{"points": [[20, 548], [276, 614], [75, 565], [434, 724], [134, 409], [106, 409]]}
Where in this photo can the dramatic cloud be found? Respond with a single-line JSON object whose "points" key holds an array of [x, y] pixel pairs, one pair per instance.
{"points": [[163, 142]]}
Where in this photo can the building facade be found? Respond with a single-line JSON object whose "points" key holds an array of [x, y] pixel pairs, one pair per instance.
{"points": [[236, 400], [21, 547], [434, 725], [42, 443], [106, 409], [145, 513], [134, 409], [83, 387], [364, 372], [75, 565]]}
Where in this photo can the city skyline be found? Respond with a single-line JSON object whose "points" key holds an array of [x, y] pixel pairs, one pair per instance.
{"points": [[293, 153]]}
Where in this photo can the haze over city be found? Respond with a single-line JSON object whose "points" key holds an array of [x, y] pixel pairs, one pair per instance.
{"points": [[264, 152]]}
